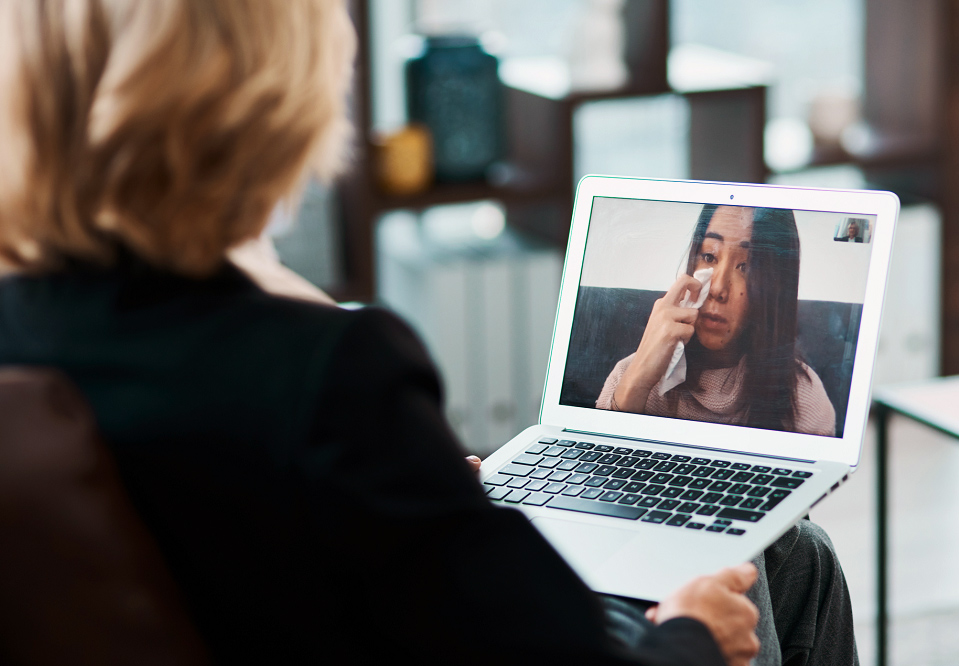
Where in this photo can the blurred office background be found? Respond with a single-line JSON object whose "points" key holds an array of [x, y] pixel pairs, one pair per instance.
{"points": [[460, 224]]}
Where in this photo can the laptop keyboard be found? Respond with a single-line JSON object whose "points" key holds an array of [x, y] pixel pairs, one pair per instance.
{"points": [[677, 490]]}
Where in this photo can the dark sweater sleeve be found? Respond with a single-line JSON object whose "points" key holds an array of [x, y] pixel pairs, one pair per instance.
{"points": [[442, 574]]}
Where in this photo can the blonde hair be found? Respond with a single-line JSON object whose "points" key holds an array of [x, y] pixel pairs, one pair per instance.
{"points": [[171, 127]]}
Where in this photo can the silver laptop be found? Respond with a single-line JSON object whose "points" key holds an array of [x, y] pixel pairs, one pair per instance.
{"points": [[709, 378]]}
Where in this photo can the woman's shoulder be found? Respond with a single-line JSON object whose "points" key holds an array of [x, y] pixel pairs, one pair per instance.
{"points": [[815, 413]]}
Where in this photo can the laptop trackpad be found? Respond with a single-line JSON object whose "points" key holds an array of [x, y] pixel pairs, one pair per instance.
{"points": [[586, 547]]}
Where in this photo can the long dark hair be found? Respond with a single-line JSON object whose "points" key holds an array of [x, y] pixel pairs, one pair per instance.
{"points": [[769, 384]]}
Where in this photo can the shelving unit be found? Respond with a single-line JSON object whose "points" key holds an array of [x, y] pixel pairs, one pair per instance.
{"points": [[536, 184]]}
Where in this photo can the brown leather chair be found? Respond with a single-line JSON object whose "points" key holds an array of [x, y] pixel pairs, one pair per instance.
{"points": [[81, 579]]}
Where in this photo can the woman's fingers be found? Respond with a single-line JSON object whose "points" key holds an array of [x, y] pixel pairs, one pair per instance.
{"points": [[683, 283], [474, 462]]}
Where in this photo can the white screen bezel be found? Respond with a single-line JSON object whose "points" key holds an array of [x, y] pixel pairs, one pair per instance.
{"points": [[884, 205]]}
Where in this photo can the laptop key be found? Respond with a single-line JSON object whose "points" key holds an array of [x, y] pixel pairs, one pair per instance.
{"points": [[610, 496], [680, 458], [499, 493], [527, 459], [774, 498], [577, 478], [614, 484], [688, 507], [642, 475], [604, 470], [695, 526], [591, 456], [668, 505], [646, 463], [762, 479], [629, 498], [559, 476], [761, 469], [699, 484], [759, 491], [573, 491], [554, 451], [719, 486], [661, 478], [678, 520], [572, 454], [739, 466], [584, 445], [554, 488], [537, 499], [653, 489], [565, 442], [707, 510], [609, 459], [802, 474], [720, 463], [536, 449], [537, 485], [672, 491], [517, 482], [591, 493], [735, 531], [680, 480], [751, 503], [721, 474], [731, 500], [595, 481], [516, 470], [623, 451], [622, 473], [742, 477], [550, 463], [628, 461], [702, 471], [633, 487], [598, 508], [790, 482], [741, 514], [700, 461], [567, 465], [516, 496], [540, 473], [692, 495], [711, 498], [640, 453], [665, 466], [782, 471], [657, 517], [715, 528], [604, 448], [498, 480], [739, 489], [586, 468], [661, 456], [547, 440], [649, 502]]}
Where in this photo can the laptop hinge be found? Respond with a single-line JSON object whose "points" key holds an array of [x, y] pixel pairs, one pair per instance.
{"points": [[689, 446]]}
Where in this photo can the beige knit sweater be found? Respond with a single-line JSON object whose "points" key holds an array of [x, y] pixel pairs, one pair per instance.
{"points": [[719, 398]]}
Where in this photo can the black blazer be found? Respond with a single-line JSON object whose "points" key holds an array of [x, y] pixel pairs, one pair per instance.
{"points": [[293, 462]]}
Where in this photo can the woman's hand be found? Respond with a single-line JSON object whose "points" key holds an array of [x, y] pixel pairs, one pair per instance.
{"points": [[668, 324]]}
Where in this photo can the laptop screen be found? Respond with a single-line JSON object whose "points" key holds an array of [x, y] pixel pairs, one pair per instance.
{"points": [[721, 314]]}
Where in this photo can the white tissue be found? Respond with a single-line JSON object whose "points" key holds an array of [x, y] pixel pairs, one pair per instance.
{"points": [[676, 370]]}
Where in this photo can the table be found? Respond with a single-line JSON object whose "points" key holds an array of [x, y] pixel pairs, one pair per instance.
{"points": [[934, 403]]}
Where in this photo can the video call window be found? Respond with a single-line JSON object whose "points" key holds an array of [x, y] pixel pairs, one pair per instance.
{"points": [[746, 316]]}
